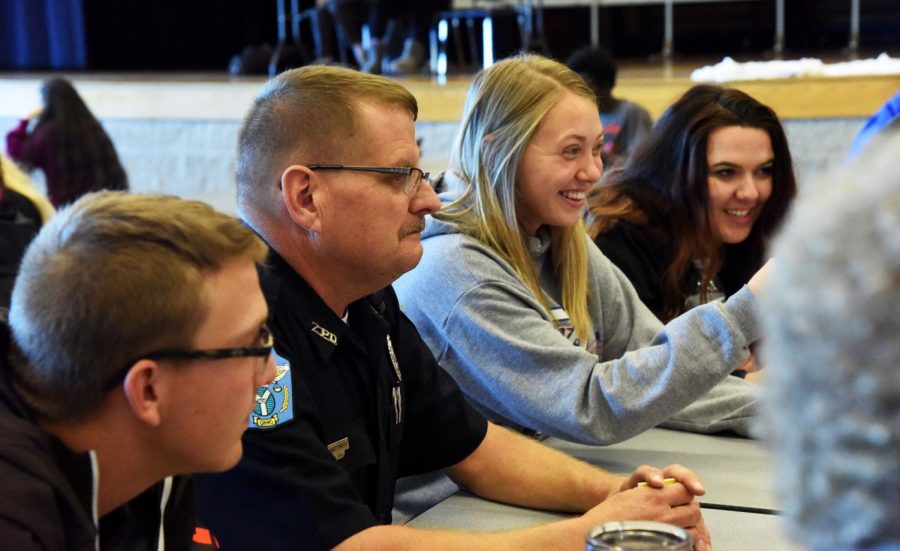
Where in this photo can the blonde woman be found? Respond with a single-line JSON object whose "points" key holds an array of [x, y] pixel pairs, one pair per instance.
{"points": [[538, 328]]}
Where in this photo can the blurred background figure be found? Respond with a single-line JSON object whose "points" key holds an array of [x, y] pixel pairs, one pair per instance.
{"points": [[20, 221], [831, 313], [67, 142], [306, 35], [624, 122], [689, 215], [16, 180], [413, 18], [349, 18]]}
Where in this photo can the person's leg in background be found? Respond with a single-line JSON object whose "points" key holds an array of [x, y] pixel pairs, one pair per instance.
{"points": [[381, 11], [349, 16], [415, 47], [323, 32]]}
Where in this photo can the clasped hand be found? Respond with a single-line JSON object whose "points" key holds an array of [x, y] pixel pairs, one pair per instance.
{"points": [[672, 503]]}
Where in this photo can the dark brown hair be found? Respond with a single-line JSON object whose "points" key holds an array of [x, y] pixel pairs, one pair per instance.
{"points": [[663, 187], [82, 154]]}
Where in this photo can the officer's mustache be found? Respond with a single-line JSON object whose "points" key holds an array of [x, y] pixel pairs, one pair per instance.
{"points": [[417, 227]]}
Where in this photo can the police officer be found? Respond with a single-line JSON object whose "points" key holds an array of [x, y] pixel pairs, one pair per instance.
{"points": [[327, 177]]}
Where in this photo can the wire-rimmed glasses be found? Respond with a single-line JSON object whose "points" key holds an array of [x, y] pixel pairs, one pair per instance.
{"points": [[414, 176]]}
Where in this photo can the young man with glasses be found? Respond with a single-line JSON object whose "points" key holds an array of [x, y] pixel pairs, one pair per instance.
{"points": [[136, 344], [326, 174]]}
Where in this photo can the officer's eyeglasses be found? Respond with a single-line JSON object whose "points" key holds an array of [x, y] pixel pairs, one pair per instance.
{"points": [[409, 178], [266, 339]]}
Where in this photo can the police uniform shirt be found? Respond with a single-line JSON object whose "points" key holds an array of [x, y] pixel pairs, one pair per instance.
{"points": [[354, 406]]}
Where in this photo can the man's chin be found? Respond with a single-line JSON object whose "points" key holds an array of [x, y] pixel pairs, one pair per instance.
{"points": [[410, 261], [230, 462]]}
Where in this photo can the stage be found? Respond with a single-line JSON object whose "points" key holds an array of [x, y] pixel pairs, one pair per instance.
{"points": [[176, 133]]}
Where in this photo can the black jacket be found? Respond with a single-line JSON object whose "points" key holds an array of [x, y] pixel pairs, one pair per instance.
{"points": [[47, 490], [644, 254]]}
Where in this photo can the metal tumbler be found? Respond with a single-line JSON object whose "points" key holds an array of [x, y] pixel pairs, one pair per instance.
{"points": [[638, 536]]}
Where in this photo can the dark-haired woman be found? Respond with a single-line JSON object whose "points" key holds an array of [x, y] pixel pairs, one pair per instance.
{"points": [[688, 217], [68, 143]]}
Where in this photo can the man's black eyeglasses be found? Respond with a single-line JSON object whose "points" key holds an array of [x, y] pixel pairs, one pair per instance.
{"points": [[263, 351], [414, 176]]}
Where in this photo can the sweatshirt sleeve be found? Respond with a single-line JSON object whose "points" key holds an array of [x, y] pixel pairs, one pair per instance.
{"points": [[17, 141], [495, 339]]}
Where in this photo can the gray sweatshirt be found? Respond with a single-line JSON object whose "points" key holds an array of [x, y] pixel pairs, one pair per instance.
{"points": [[487, 329]]}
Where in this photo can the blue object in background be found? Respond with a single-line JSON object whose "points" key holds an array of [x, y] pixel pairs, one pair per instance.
{"points": [[42, 34], [888, 113]]}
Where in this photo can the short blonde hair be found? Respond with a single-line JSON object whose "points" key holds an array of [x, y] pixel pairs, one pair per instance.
{"points": [[305, 115], [109, 278], [504, 108]]}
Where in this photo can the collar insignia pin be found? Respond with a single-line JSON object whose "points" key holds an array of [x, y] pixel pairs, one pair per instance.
{"points": [[324, 333]]}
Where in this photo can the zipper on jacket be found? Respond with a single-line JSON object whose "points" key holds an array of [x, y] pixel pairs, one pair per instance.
{"points": [[167, 490], [95, 491]]}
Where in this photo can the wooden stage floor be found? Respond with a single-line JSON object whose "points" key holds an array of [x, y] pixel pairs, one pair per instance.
{"points": [[654, 84], [176, 133]]}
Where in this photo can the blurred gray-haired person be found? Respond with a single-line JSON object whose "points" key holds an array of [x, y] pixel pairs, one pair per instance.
{"points": [[832, 316]]}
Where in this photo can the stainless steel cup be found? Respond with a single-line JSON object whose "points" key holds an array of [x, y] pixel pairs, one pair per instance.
{"points": [[634, 535]]}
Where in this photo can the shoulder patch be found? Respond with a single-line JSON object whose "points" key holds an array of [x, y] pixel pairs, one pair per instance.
{"points": [[275, 401]]}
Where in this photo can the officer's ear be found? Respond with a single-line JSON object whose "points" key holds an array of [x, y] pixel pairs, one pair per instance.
{"points": [[299, 186]]}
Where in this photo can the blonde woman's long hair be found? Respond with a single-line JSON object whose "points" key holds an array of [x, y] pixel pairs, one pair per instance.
{"points": [[504, 108]]}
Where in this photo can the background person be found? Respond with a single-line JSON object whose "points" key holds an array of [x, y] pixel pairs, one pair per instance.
{"points": [[832, 313], [67, 142], [115, 383], [538, 328], [414, 16], [18, 181], [689, 216], [625, 123], [20, 221], [327, 176]]}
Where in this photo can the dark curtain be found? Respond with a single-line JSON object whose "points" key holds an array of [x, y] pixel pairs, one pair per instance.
{"points": [[42, 34]]}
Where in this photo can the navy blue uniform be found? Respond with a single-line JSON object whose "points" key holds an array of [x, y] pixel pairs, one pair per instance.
{"points": [[356, 404]]}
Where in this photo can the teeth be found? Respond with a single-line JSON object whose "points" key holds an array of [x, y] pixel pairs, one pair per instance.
{"points": [[574, 195], [738, 212]]}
